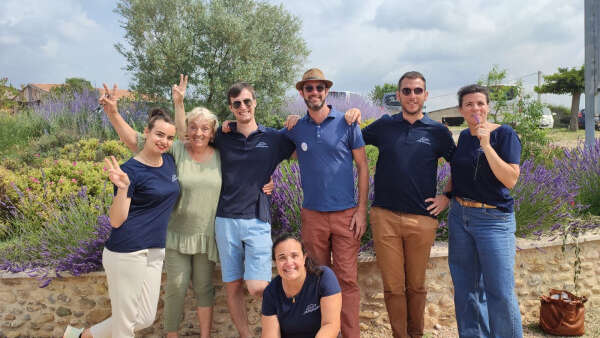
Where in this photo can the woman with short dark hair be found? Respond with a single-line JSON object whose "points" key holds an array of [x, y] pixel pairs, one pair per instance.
{"points": [[481, 254]]}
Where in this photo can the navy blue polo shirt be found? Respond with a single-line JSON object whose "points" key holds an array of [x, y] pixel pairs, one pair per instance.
{"points": [[472, 176], [406, 170], [153, 192], [247, 165], [300, 317], [325, 156]]}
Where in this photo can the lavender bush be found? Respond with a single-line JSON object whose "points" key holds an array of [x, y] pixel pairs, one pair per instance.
{"points": [[580, 168], [70, 241], [286, 200], [543, 200], [80, 112]]}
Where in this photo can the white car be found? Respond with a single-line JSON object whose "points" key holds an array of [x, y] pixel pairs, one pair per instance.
{"points": [[547, 120]]}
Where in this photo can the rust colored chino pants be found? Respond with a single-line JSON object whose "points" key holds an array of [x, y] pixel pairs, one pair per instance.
{"points": [[326, 235], [402, 244]]}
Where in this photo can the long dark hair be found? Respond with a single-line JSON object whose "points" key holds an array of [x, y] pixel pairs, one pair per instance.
{"points": [[309, 264]]}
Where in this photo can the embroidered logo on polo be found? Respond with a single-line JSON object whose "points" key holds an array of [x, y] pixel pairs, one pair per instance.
{"points": [[424, 140], [304, 146], [173, 178], [311, 308], [262, 144]]}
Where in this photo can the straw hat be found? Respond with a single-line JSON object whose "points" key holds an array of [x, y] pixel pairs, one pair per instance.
{"points": [[313, 74]]}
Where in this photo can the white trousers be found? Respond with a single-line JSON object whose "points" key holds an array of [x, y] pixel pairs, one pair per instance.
{"points": [[134, 288]]}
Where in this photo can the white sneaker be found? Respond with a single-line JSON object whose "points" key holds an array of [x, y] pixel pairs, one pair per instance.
{"points": [[72, 332]]}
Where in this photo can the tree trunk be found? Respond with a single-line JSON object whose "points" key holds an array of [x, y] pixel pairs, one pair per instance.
{"points": [[574, 110]]}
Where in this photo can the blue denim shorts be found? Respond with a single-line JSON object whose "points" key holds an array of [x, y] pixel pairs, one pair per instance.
{"points": [[244, 249]]}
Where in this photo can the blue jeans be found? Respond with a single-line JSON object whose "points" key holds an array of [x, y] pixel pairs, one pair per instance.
{"points": [[481, 257]]}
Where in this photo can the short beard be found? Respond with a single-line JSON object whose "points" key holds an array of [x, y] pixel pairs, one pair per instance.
{"points": [[404, 110], [314, 107]]}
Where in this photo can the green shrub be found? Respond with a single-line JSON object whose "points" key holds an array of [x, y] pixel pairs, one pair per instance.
{"points": [[20, 129], [92, 150]]}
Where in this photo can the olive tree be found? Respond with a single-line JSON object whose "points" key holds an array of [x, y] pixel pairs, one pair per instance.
{"points": [[566, 81], [216, 43]]}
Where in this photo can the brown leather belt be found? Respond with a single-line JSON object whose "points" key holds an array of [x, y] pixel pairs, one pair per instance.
{"points": [[473, 204]]}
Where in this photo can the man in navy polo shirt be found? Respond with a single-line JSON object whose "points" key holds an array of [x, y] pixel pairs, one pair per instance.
{"points": [[249, 155], [332, 223], [403, 214]]}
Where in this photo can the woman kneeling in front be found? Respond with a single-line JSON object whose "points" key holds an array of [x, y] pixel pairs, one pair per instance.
{"points": [[304, 300]]}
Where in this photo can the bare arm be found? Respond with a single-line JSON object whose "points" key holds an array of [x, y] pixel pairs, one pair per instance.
{"points": [[359, 219], [127, 134], [440, 202], [270, 327], [119, 209], [178, 93], [331, 307], [506, 173]]}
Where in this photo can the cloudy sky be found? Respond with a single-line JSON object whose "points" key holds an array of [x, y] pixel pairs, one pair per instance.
{"points": [[357, 43]]}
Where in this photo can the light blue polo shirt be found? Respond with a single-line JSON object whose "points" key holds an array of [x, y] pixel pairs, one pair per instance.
{"points": [[325, 156]]}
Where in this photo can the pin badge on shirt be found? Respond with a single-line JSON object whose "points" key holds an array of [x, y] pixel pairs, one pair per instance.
{"points": [[304, 146]]}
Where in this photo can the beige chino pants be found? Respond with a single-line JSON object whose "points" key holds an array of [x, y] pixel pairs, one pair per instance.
{"points": [[134, 288], [402, 244]]}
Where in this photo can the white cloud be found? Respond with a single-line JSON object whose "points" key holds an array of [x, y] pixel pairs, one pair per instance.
{"points": [[361, 44], [53, 40], [6, 39], [50, 48], [78, 27], [357, 43]]}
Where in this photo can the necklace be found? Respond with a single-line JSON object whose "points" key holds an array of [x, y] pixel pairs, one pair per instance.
{"points": [[144, 160], [292, 296]]}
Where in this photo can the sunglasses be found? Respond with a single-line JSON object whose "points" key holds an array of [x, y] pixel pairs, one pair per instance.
{"points": [[237, 104], [407, 91], [310, 88]]}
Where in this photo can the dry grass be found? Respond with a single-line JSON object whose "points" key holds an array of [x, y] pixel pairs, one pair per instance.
{"points": [[558, 136]]}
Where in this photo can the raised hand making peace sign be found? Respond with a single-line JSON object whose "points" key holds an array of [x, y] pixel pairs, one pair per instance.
{"points": [[115, 174], [108, 101], [178, 91]]}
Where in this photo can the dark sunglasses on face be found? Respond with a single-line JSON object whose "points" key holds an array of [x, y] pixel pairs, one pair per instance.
{"points": [[237, 104], [310, 88], [407, 91]]}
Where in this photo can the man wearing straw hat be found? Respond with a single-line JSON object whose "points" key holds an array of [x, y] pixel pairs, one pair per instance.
{"points": [[332, 222]]}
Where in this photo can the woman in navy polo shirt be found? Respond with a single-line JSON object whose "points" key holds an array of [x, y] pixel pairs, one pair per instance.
{"points": [[146, 189], [481, 221], [304, 300]]}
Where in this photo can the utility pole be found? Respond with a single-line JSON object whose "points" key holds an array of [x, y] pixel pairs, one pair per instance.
{"points": [[592, 67], [539, 85]]}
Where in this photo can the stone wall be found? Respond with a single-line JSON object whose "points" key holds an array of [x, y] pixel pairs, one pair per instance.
{"points": [[27, 310]]}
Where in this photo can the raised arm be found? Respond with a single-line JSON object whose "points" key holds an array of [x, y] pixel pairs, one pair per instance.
{"points": [[108, 101], [331, 307], [178, 93]]}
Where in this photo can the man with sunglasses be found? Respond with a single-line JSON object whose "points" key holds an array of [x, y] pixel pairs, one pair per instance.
{"points": [[404, 213], [332, 223], [249, 154]]}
